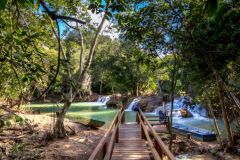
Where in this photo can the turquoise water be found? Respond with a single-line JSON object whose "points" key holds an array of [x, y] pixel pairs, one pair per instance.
{"points": [[87, 110], [101, 112]]}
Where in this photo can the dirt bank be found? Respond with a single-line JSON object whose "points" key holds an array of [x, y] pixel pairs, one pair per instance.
{"points": [[38, 145]]}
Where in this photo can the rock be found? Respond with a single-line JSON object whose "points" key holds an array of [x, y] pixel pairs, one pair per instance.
{"points": [[149, 108], [185, 113], [182, 148], [115, 100], [149, 103], [41, 136], [164, 138], [93, 97]]}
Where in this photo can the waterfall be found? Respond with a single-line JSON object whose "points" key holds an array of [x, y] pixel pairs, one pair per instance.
{"points": [[103, 99], [133, 104], [197, 110]]}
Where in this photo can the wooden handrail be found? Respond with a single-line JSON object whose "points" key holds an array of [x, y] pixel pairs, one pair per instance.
{"points": [[157, 138], [154, 152], [110, 147], [103, 140]]}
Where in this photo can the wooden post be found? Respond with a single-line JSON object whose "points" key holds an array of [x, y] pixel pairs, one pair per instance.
{"points": [[117, 132], [168, 123], [174, 136], [103, 151], [57, 113], [122, 120], [158, 148], [188, 135], [105, 148], [136, 117], [142, 131]]}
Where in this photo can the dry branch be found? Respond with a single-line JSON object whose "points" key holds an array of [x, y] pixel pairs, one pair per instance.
{"points": [[29, 125]]}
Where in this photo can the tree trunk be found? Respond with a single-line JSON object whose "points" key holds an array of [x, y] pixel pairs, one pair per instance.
{"points": [[174, 81], [59, 123], [224, 112], [170, 127], [160, 90], [81, 77], [101, 82], [20, 102], [82, 49], [137, 91], [214, 119]]}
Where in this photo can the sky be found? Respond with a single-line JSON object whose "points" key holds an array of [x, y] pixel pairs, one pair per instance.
{"points": [[98, 18]]}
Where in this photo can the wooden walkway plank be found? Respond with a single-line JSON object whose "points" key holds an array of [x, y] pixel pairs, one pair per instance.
{"points": [[130, 146]]}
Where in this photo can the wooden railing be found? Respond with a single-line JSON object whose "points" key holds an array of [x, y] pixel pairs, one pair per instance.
{"points": [[102, 148], [165, 120], [159, 146]]}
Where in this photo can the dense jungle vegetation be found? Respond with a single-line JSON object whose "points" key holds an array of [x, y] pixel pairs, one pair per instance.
{"points": [[57, 49]]}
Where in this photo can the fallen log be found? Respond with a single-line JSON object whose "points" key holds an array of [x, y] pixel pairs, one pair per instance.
{"points": [[5, 134], [21, 129], [2, 138]]}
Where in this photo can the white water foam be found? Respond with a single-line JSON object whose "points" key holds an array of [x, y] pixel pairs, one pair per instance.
{"points": [[103, 99], [133, 104], [197, 110]]}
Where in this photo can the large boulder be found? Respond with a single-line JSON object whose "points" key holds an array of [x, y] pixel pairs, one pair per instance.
{"points": [[149, 108], [185, 113], [115, 100], [149, 102], [93, 97]]}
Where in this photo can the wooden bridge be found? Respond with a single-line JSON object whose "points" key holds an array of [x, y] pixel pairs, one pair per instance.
{"points": [[130, 141]]}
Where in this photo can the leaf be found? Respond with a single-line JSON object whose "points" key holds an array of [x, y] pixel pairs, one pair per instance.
{"points": [[99, 1], [40, 69], [24, 33], [31, 77], [211, 7], [16, 118], [20, 124], [36, 35], [9, 33], [3, 4], [1, 21], [17, 41], [101, 6], [107, 17], [91, 6], [8, 123], [1, 123], [3, 59], [46, 61], [135, 24], [22, 2], [109, 14]]}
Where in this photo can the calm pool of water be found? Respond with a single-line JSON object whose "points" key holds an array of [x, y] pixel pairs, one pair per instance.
{"points": [[87, 110], [102, 112]]}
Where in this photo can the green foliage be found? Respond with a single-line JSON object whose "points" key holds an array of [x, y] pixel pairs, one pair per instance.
{"points": [[211, 7]]}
